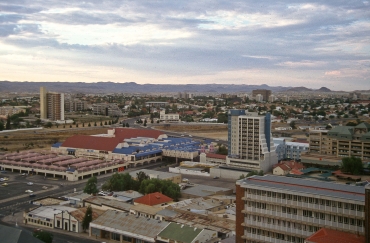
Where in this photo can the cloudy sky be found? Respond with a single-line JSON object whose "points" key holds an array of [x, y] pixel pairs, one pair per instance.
{"points": [[279, 43]]}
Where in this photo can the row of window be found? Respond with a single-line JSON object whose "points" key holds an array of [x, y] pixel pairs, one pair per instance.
{"points": [[311, 200], [116, 237], [278, 236], [304, 227], [40, 222]]}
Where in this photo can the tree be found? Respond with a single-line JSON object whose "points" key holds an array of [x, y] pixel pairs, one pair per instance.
{"points": [[7, 126], [1, 126], [48, 125], [94, 124], [145, 123], [91, 186], [127, 125], [222, 150], [87, 218], [89, 125], [352, 165], [44, 236], [292, 124], [140, 176]]}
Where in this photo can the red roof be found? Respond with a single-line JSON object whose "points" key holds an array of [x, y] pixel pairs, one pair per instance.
{"points": [[91, 142], [154, 199], [284, 167], [334, 236], [123, 133], [216, 156]]}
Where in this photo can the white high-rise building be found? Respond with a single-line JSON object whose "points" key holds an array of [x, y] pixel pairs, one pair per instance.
{"points": [[250, 141]]}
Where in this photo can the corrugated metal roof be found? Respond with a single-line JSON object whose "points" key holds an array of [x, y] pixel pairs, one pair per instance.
{"points": [[204, 190], [129, 225], [323, 188], [116, 204]]}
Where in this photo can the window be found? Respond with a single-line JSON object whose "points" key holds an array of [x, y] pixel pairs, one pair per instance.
{"points": [[340, 219], [322, 216], [345, 220], [115, 236], [328, 202], [339, 205]]}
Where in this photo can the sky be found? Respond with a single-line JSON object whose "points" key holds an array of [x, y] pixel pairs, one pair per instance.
{"points": [[278, 43]]}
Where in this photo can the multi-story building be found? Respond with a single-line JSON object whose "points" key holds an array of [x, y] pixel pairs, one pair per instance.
{"points": [[171, 117], [264, 92], [367, 213], [51, 105], [342, 141], [289, 150], [250, 141], [75, 105], [104, 109], [11, 110], [281, 209]]}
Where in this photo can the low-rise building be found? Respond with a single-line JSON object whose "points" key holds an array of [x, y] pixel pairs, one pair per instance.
{"points": [[125, 227]]}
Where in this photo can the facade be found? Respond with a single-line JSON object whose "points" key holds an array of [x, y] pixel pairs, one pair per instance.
{"points": [[367, 212], [289, 150], [11, 110], [263, 92], [171, 117], [250, 141], [282, 209], [51, 105], [106, 109], [342, 141], [75, 105]]}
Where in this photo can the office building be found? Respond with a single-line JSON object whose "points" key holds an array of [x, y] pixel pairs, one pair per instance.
{"points": [[339, 142], [250, 141], [282, 209], [75, 105], [264, 92], [51, 105], [289, 150], [367, 213]]}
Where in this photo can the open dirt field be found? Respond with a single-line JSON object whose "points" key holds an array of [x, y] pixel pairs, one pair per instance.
{"points": [[214, 131], [41, 139]]}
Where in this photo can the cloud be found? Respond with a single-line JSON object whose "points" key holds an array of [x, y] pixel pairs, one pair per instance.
{"points": [[296, 42]]}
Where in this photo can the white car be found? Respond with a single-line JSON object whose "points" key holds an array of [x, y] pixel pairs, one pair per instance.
{"points": [[1, 179], [30, 183], [29, 191]]}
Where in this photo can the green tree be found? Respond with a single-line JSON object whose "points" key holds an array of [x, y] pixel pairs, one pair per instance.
{"points": [[1, 126], [140, 176], [48, 125], [89, 125], [120, 182], [292, 124], [352, 165], [91, 186], [95, 124], [105, 123], [7, 125], [127, 125], [87, 218], [144, 123], [44, 236], [222, 118], [222, 150]]}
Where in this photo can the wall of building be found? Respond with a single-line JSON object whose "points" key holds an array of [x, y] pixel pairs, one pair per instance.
{"points": [[188, 171], [227, 174]]}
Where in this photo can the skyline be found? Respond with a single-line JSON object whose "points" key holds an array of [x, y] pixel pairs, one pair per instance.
{"points": [[311, 44]]}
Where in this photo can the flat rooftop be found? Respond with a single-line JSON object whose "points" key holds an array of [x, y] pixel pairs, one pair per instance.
{"points": [[307, 186]]}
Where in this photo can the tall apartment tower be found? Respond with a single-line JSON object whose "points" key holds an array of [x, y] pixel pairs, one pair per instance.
{"points": [[51, 105], [250, 141], [264, 92]]}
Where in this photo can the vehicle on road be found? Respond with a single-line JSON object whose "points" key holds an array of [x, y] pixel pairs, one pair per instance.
{"points": [[5, 178], [32, 195], [28, 191], [4, 171], [216, 177], [24, 174], [44, 187], [5, 184], [1, 179], [30, 183]]}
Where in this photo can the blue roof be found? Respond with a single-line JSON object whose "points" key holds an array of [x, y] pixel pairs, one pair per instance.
{"points": [[56, 145]]}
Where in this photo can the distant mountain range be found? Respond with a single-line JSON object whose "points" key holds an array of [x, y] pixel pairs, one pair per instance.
{"points": [[304, 89], [132, 87]]}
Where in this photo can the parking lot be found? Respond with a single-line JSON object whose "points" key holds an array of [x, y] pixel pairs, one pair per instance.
{"points": [[17, 185]]}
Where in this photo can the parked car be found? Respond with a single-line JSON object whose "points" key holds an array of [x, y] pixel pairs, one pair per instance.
{"points": [[28, 191], [30, 183], [216, 177], [5, 184], [4, 171], [32, 195]]}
